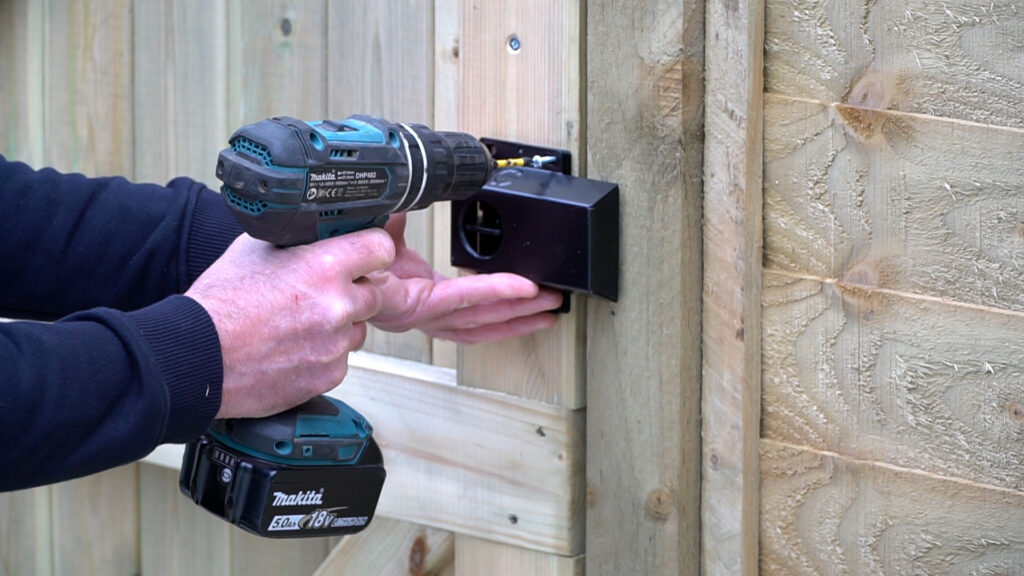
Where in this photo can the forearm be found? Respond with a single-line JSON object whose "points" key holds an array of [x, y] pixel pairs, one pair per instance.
{"points": [[72, 243], [103, 388]]}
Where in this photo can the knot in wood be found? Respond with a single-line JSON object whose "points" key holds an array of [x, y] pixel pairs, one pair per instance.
{"points": [[863, 108], [1016, 412], [418, 556], [659, 504]]}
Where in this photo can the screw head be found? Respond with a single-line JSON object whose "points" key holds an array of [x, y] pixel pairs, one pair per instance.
{"points": [[514, 44]]}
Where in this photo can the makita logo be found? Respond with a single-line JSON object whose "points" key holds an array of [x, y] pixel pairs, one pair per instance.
{"points": [[323, 177], [304, 498]]}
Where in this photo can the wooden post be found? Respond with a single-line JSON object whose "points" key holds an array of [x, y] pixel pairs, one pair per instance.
{"points": [[644, 118], [731, 390]]}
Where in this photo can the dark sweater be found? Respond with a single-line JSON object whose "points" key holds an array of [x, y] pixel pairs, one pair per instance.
{"points": [[129, 363]]}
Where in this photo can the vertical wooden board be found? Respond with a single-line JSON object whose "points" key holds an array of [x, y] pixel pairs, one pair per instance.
{"points": [[380, 62], [474, 556], [178, 538], [88, 128], [95, 523], [180, 79], [644, 118], [908, 381], [952, 59], [277, 60], [446, 117], [88, 85], [391, 548], [897, 201], [25, 533], [828, 515], [731, 354], [21, 81], [531, 95]]}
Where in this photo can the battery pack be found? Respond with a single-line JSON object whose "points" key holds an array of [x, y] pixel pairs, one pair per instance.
{"points": [[326, 483]]}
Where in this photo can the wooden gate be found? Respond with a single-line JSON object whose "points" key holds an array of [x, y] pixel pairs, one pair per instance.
{"points": [[577, 447]]}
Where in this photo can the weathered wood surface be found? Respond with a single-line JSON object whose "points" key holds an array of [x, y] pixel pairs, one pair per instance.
{"points": [[94, 523], [26, 542], [531, 95], [825, 514], [497, 466], [644, 131], [892, 406], [529, 92], [178, 538], [277, 60], [21, 84], [392, 548], [180, 89], [475, 556], [914, 382], [380, 61], [730, 346], [88, 90], [895, 201], [951, 59]]}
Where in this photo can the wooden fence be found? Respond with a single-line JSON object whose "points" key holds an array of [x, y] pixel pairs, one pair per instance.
{"points": [[814, 366], [574, 449]]}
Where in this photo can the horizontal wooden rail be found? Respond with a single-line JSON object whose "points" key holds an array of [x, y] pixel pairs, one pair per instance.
{"points": [[467, 460]]}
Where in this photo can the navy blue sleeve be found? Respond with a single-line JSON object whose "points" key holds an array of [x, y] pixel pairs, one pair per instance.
{"points": [[129, 364]]}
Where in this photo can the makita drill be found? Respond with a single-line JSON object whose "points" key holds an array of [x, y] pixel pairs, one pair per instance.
{"points": [[315, 470]]}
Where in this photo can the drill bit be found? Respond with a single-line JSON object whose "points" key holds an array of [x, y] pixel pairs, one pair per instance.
{"points": [[536, 161]]}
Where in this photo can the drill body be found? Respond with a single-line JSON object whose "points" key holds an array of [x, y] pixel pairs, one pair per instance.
{"points": [[292, 182], [315, 470]]}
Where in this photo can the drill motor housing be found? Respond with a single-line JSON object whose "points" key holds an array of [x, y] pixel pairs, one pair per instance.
{"points": [[292, 182]]}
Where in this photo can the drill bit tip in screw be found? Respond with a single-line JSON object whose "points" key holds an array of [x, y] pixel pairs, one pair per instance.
{"points": [[535, 162]]}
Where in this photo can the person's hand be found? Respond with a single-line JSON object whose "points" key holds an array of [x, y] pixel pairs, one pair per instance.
{"points": [[288, 317], [467, 309]]}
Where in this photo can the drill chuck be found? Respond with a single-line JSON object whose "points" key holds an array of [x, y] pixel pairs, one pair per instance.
{"points": [[294, 182]]}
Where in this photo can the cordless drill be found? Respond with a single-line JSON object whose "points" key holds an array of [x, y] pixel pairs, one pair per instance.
{"points": [[315, 470]]}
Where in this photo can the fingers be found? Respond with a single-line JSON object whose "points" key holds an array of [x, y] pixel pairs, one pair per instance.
{"points": [[498, 311], [509, 329], [466, 291], [359, 253]]}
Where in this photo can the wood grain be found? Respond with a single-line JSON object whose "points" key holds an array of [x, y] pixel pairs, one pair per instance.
{"points": [[180, 57], [733, 235], [446, 117], [178, 538], [644, 131], [951, 59], [88, 103], [277, 60], [392, 548], [531, 95], [895, 201], [26, 542], [918, 383], [476, 556], [824, 514], [95, 523], [498, 467], [374, 70], [22, 81]]}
